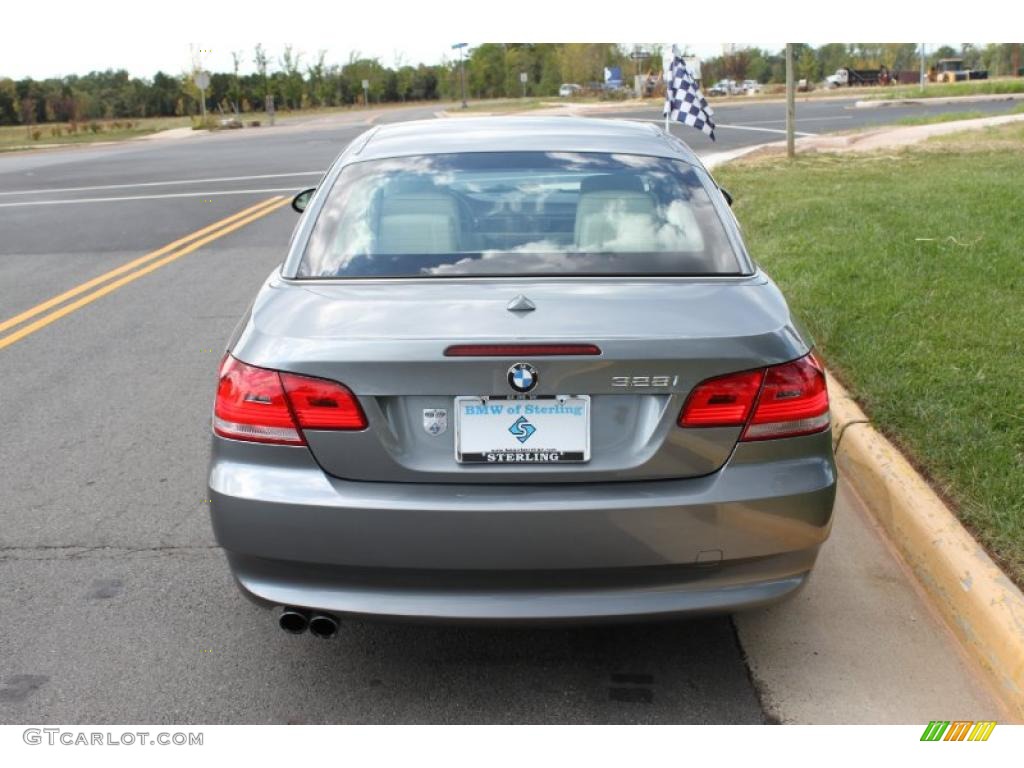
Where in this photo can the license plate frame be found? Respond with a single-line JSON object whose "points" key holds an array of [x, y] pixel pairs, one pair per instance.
{"points": [[468, 449]]}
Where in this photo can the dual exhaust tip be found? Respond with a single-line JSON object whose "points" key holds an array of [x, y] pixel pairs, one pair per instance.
{"points": [[296, 621]]}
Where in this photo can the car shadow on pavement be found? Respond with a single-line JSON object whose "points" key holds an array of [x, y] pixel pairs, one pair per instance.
{"points": [[679, 672]]}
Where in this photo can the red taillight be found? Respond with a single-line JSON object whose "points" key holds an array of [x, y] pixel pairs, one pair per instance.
{"points": [[251, 405], [260, 405], [322, 404], [793, 401], [779, 401], [725, 401], [520, 350]]}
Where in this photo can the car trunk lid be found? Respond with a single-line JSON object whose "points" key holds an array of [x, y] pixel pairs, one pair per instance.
{"points": [[386, 341]]}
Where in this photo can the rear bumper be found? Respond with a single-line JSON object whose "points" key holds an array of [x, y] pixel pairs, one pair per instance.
{"points": [[744, 536], [660, 592]]}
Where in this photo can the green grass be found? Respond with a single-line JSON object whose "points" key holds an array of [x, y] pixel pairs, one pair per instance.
{"points": [[15, 137], [939, 90], [908, 270], [945, 117], [501, 106]]}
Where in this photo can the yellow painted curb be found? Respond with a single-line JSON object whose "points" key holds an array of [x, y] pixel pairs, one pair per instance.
{"points": [[845, 410], [983, 607]]}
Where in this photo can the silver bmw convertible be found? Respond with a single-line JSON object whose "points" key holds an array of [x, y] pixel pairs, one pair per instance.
{"points": [[518, 370]]}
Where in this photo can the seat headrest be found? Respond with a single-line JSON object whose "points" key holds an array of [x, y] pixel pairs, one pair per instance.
{"points": [[607, 182]]}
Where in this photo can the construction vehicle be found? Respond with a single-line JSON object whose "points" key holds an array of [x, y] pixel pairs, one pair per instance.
{"points": [[858, 77], [953, 71]]}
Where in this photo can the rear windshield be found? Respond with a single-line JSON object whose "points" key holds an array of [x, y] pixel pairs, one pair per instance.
{"points": [[518, 213]]}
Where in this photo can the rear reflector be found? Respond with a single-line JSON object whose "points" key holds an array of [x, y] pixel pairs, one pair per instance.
{"points": [[264, 406], [779, 401], [520, 350]]}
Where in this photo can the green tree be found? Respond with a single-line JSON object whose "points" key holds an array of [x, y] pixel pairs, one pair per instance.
{"points": [[262, 62], [235, 93], [807, 66], [832, 56], [486, 71]]}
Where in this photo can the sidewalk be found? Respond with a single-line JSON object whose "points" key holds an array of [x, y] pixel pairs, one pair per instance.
{"points": [[868, 104], [884, 137], [861, 643]]}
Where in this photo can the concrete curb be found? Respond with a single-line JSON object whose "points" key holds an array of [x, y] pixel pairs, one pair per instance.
{"points": [[870, 104], [982, 606]]}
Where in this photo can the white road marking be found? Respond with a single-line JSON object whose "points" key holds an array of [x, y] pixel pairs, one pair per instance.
{"points": [[162, 183], [221, 193], [717, 126], [801, 119], [765, 130]]}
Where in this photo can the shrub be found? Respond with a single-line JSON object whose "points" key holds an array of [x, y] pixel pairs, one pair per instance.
{"points": [[209, 124]]}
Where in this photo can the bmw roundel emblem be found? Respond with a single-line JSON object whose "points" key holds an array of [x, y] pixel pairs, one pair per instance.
{"points": [[522, 377]]}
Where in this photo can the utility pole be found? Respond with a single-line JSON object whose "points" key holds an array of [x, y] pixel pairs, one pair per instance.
{"points": [[462, 69], [790, 103]]}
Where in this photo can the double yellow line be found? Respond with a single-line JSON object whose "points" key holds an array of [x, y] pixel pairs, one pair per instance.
{"points": [[130, 272]]}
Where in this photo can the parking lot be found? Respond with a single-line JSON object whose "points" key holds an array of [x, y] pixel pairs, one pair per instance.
{"points": [[118, 605]]}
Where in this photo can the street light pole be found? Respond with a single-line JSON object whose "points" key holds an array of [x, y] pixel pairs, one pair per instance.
{"points": [[922, 68], [790, 103], [462, 69]]}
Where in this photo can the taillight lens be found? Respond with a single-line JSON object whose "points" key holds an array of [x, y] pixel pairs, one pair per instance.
{"points": [[779, 401], [264, 406], [725, 401], [251, 405], [322, 404], [793, 401]]}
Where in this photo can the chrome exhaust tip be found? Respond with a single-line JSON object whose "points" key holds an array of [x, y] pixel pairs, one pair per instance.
{"points": [[293, 620], [323, 626]]}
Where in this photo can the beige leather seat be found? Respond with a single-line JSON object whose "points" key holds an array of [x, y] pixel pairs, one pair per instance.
{"points": [[615, 213], [418, 222]]}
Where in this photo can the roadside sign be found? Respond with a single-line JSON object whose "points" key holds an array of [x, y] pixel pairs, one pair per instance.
{"points": [[459, 45], [366, 85], [640, 55], [202, 81], [523, 77]]}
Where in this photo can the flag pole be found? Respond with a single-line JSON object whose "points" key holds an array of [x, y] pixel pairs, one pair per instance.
{"points": [[664, 76]]}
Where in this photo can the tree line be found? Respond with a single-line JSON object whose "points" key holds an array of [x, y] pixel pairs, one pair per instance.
{"points": [[814, 64], [298, 81]]}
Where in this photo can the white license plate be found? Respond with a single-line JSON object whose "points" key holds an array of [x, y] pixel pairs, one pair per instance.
{"points": [[541, 430]]}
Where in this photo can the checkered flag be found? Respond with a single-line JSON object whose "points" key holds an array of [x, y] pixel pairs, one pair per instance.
{"points": [[684, 102]]}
